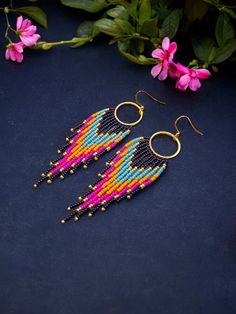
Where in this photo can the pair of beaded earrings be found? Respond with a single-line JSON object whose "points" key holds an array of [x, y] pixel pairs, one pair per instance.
{"points": [[135, 166]]}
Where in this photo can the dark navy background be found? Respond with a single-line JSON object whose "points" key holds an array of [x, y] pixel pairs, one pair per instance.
{"points": [[171, 249]]}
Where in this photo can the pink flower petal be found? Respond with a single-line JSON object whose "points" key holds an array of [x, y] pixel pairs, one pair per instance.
{"points": [[172, 49], [194, 84], [165, 43], [203, 73], [156, 69], [181, 68], [19, 22], [157, 53], [7, 55], [19, 57], [163, 75]]}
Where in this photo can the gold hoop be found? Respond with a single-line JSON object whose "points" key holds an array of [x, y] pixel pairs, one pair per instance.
{"points": [[173, 137], [130, 103]]}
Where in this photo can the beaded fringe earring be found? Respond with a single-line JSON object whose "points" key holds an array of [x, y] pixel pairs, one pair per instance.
{"points": [[99, 133], [135, 166]]}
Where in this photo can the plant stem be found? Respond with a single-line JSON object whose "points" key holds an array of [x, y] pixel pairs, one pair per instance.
{"points": [[8, 24]]}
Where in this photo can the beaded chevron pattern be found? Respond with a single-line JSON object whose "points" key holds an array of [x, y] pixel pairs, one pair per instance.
{"points": [[97, 134], [133, 168]]}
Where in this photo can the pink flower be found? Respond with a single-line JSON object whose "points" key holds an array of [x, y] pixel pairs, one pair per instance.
{"points": [[188, 77], [26, 31], [164, 57], [14, 52]]}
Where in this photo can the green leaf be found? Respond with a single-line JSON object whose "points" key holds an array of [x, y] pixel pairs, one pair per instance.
{"points": [[108, 27], [126, 27], [195, 9], [224, 52], [87, 5], [123, 46], [224, 29], [149, 27], [132, 8], [35, 13], [229, 11], [202, 47], [87, 29], [145, 11], [171, 24], [80, 41], [119, 12], [141, 59]]}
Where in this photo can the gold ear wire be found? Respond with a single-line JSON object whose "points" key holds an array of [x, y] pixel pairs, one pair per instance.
{"points": [[189, 121], [149, 95]]}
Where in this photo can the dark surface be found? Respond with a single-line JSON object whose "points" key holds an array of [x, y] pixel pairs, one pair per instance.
{"points": [[171, 249]]}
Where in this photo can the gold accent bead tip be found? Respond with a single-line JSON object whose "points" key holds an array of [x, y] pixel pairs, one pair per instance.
{"points": [[58, 151], [62, 221], [35, 185], [49, 181], [76, 218], [68, 208], [90, 214], [72, 130], [61, 177], [103, 209]]}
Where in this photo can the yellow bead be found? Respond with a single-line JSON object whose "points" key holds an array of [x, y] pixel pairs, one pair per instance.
{"points": [[103, 209], [68, 208], [76, 218], [49, 181], [35, 185], [62, 221]]}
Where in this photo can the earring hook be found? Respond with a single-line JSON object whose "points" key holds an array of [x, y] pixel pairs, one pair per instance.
{"points": [[189, 121], [149, 95]]}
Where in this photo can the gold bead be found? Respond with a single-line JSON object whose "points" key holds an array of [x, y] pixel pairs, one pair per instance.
{"points": [[142, 186], [71, 171], [99, 175], [90, 214], [108, 148], [68, 208], [64, 153], [128, 197], [61, 177], [67, 139], [91, 206], [72, 130], [43, 175], [107, 163], [103, 209], [90, 186], [51, 163], [35, 185], [80, 198], [71, 142], [76, 218], [78, 209], [95, 158], [58, 151], [85, 166], [62, 221], [49, 181]]}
